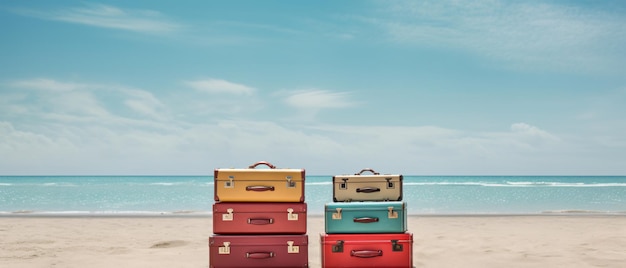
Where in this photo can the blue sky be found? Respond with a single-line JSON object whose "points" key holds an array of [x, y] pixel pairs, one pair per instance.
{"points": [[410, 87]]}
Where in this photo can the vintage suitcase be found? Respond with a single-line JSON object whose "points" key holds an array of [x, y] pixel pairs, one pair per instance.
{"points": [[366, 217], [367, 250], [259, 185], [258, 251], [259, 218], [370, 187]]}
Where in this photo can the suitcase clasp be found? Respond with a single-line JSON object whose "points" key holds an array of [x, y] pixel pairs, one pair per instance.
{"points": [[228, 216], [392, 214], [338, 247], [291, 248], [395, 246], [337, 215], [290, 182], [230, 183], [344, 184], [390, 184], [225, 249], [291, 216]]}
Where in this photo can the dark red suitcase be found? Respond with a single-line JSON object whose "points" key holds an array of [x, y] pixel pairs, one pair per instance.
{"points": [[367, 250], [259, 218], [258, 251]]}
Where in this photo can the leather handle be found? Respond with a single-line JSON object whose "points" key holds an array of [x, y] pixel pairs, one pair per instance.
{"points": [[367, 169], [260, 221], [262, 163], [366, 253], [259, 188], [365, 219], [367, 190], [259, 255]]}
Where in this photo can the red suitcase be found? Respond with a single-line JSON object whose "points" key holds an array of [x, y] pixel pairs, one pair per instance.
{"points": [[258, 251], [367, 250], [259, 218]]}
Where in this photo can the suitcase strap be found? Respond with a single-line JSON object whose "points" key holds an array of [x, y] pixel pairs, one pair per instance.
{"points": [[260, 221], [365, 219], [367, 169], [259, 255], [368, 190], [366, 253], [391, 214], [259, 188], [396, 246], [262, 163]]}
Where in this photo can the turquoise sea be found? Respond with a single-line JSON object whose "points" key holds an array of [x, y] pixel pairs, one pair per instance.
{"points": [[425, 195]]}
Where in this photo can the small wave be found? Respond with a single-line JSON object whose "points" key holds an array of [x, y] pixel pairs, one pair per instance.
{"points": [[56, 184], [517, 184], [319, 183], [22, 212], [579, 211], [6, 184], [178, 184], [103, 213], [165, 183]]}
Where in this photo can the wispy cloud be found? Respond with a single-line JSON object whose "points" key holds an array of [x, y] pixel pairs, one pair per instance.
{"points": [[73, 101], [319, 99], [107, 16], [532, 131], [218, 86], [522, 34], [47, 85]]}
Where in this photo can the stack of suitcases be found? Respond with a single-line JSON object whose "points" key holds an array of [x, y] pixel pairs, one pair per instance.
{"points": [[366, 225], [259, 218]]}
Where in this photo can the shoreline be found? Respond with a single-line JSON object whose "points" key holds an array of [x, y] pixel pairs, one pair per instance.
{"points": [[439, 240], [209, 214]]}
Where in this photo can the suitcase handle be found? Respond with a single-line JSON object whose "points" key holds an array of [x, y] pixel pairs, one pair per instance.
{"points": [[367, 190], [260, 221], [262, 163], [365, 219], [367, 169], [259, 255], [366, 253], [259, 188]]}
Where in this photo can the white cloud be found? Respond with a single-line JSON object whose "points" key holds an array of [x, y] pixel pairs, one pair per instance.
{"points": [[217, 86], [86, 131], [106, 16], [531, 131], [143, 102], [523, 34], [83, 102], [47, 84], [318, 99]]}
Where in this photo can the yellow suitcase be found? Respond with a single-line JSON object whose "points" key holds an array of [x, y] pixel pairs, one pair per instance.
{"points": [[367, 187], [259, 185]]}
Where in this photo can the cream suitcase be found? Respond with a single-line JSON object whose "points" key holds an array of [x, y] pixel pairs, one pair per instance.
{"points": [[369, 187], [259, 184]]}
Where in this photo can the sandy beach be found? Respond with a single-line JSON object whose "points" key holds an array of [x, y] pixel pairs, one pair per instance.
{"points": [[440, 241]]}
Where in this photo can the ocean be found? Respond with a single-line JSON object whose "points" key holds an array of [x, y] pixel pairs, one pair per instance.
{"points": [[425, 195]]}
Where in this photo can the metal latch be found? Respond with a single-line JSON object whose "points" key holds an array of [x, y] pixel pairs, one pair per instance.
{"points": [[395, 246], [291, 248], [290, 182], [291, 216], [344, 184], [230, 183], [389, 183], [225, 249], [337, 215], [228, 216], [338, 247], [392, 214]]}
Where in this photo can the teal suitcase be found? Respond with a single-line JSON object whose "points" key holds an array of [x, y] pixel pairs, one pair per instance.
{"points": [[365, 217]]}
